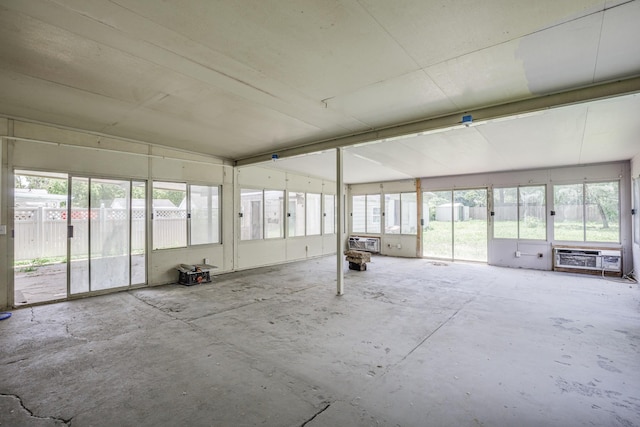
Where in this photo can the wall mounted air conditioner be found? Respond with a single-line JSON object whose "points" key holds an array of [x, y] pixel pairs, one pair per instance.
{"points": [[588, 260], [368, 244]]}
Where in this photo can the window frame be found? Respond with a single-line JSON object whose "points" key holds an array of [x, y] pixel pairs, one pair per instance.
{"points": [[293, 220], [309, 212], [188, 211], [282, 213], [242, 215], [585, 202], [326, 214], [401, 211], [520, 219], [215, 212], [372, 214], [154, 218]]}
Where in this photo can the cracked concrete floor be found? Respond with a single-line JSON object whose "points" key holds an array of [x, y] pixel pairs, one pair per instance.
{"points": [[411, 343]]}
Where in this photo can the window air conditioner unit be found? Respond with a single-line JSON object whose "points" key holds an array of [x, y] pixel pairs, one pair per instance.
{"points": [[588, 260], [367, 244]]}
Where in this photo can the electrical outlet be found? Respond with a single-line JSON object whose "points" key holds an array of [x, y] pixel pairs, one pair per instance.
{"points": [[518, 254], [206, 261]]}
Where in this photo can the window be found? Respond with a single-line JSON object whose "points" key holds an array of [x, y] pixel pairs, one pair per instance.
{"points": [[204, 209], [251, 214], [138, 232], [358, 216], [169, 215], [314, 216], [587, 212], [400, 213], [261, 214], [274, 214], [409, 213], [392, 213], [366, 214], [520, 213], [296, 214], [532, 217], [505, 207], [602, 219], [329, 214], [373, 213], [568, 203]]}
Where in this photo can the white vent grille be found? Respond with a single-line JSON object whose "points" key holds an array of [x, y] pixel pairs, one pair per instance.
{"points": [[605, 260], [368, 244]]}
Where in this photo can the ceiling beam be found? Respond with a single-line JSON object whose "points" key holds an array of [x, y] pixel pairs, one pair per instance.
{"points": [[531, 105]]}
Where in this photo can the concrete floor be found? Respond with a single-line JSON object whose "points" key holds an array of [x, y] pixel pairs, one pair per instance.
{"points": [[37, 284], [411, 343], [40, 284]]}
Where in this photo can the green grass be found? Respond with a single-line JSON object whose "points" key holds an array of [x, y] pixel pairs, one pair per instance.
{"points": [[39, 262], [471, 240], [30, 265], [573, 231]]}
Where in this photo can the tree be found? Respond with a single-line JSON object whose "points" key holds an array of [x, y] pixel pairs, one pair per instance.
{"points": [[52, 185], [101, 192], [605, 195], [471, 198], [175, 196]]}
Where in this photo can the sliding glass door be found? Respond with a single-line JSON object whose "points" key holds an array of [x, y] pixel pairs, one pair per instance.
{"points": [[77, 235], [110, 236], [455, 224], [438, 224], [107, 234], [40, 237], [470, 228]]}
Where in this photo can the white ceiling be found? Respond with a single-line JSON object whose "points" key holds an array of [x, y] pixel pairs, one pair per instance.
{"points": [[573, 135], [238, 78]]}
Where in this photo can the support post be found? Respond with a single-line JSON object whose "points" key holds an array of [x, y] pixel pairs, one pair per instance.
{"points": [[420, 215], [340, 222]]}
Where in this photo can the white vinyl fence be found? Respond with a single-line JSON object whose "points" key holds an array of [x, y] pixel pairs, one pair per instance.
{"points": [[42, 232]]}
